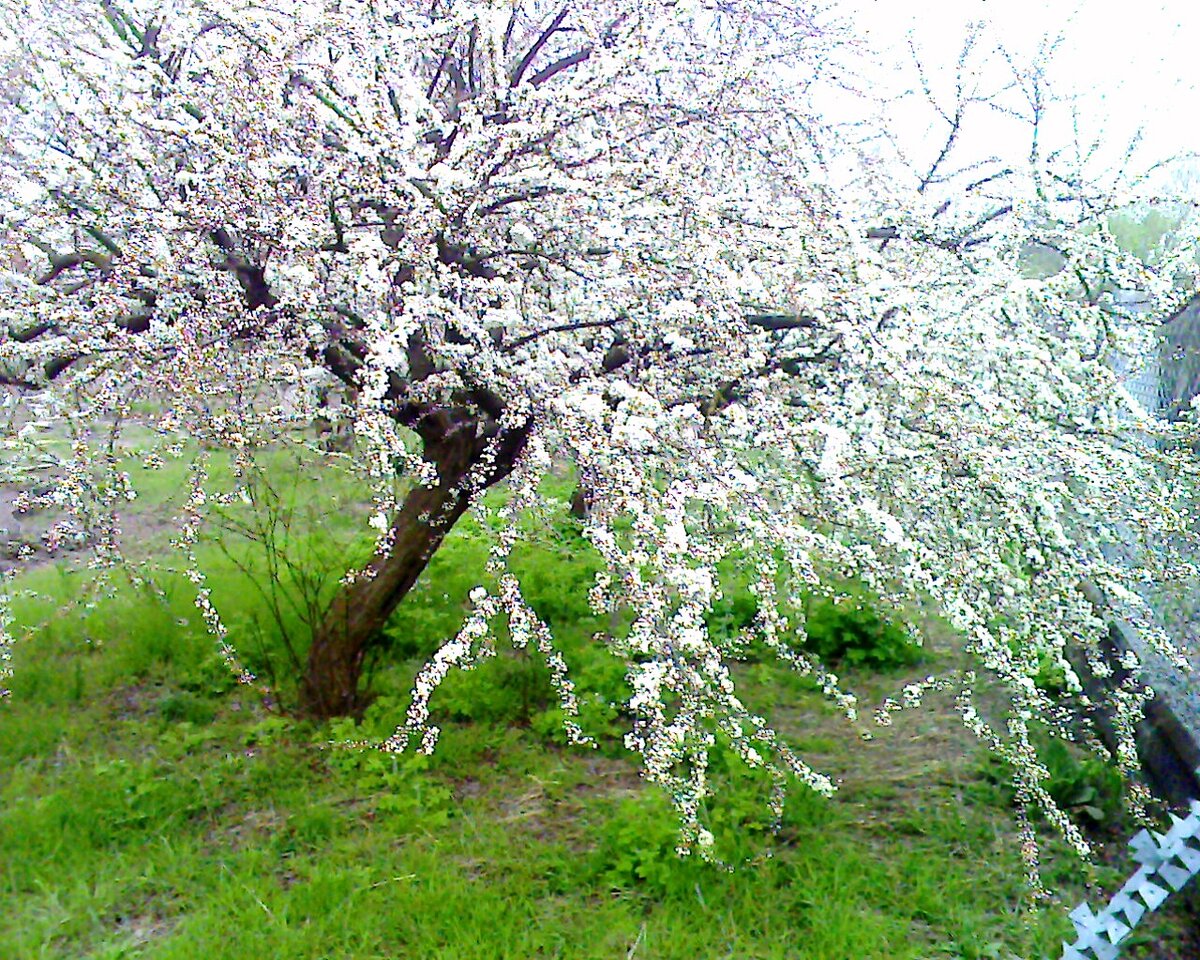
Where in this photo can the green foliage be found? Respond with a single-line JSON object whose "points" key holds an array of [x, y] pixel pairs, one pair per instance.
{"points": [[509, 688], [735, 611], [209, 676], [1080, 782], [556, 569], [1051, 676], [171, 817], [186, 707], [397, 784], [433, 610], [636, 852], [843, 628], [132, 828], [847, 628]]}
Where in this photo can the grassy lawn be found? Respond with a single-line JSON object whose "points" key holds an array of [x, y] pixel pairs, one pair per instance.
{"points": [[151, 808]]}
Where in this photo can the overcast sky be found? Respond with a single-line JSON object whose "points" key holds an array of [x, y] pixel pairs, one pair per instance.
{"points": [[1132, 63]]}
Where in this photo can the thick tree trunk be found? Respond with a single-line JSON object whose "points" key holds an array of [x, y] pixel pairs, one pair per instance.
{"points": [[355, 619]]}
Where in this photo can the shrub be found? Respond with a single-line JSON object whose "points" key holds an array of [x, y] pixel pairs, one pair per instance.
{"points": [[848, 628]]}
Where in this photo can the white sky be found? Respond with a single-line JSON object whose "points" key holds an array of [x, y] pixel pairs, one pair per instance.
{"points": [[1133, 63]]}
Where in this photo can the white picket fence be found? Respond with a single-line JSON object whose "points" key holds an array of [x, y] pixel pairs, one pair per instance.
{"points": [[1167, 862]]}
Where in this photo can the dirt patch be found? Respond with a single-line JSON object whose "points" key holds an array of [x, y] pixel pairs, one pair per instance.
{"points": [[138, 929], [35, 536], [238, 828]]}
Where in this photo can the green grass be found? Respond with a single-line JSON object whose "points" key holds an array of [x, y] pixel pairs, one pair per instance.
{"points": [[150, 808], [129, 832]]}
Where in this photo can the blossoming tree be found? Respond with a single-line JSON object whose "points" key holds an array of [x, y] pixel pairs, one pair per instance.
{"points": [[668, 242]]}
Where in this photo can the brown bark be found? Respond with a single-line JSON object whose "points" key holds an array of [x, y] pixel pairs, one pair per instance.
{"points": [[581, 502], [354, 621]]}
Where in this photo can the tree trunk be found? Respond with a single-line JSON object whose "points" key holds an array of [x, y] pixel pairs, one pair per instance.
{"points": [[354, 621]]}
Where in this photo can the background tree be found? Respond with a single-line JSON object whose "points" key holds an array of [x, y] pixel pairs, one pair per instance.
{"points": [[667, 242]]}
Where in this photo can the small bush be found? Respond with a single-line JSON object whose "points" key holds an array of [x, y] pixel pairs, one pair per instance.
{"points": [[849, 629], [637, 850], [1080, 782], [509, 688], [845, 628]]}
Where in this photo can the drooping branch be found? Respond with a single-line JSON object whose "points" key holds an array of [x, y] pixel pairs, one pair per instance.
{"points": [[62, 262], [516, 344]]}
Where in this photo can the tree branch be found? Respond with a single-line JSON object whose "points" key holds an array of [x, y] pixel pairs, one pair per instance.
{"points": [[519, 72], [558, 66], [560, 328]]}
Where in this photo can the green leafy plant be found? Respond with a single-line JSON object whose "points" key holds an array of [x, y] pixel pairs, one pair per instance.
{"points": [[845, 627], [848, 628], [187, 707], [1079, 782], [509, 688], [399, 786], [636, 852]]}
